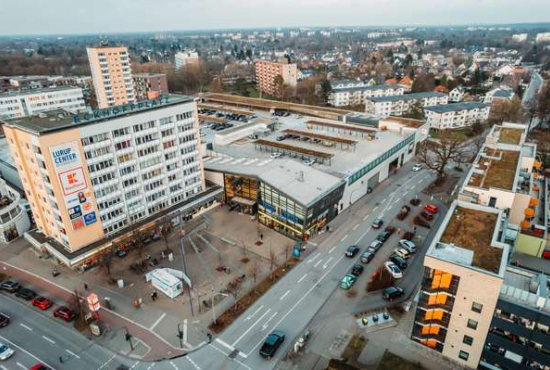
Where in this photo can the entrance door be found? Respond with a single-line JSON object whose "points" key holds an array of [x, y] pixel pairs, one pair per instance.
{"points": [[492, 202]]}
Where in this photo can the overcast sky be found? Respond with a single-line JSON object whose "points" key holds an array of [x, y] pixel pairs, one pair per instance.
{"points": [[108, 16]]}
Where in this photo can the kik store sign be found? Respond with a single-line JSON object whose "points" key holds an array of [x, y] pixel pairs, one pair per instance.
{"points": [[76, 193]]}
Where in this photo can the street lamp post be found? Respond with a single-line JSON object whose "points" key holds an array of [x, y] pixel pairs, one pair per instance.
{"points": [[214, 318]]}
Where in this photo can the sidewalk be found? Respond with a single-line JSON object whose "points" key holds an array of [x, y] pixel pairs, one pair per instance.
{"points": [[159, 348]]}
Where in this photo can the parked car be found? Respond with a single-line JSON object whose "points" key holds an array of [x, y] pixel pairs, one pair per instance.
{"points": [[4, 320], [10, 286], [272, 343], [417, 167], [276, 155], [42, 302], [39, 366], [352, 251], [392, 292], [403, 253], [366, 257], [383, 236], [431, 208], [5, 352], [377, 223], [348, 281], [280, 138], [400, 262], [26, 294], [374, 246], [309, 162], [404, 212], [427, 215], [64, 313], [357, 270], [408, 245], [394, 271]]}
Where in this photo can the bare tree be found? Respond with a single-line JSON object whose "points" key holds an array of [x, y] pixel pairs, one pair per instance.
{"points": [[254, 270], [543, 103], [272, 260], [234, 288], [436, 154]]}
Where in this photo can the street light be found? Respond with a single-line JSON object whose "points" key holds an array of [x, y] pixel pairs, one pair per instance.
{"points": [[214, 319]]}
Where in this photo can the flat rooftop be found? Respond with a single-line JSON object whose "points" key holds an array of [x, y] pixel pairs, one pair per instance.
{"points": [[59, 119], [473, 230], [420, 95], [12, 93], [510, 135], [457, 107], [367, 88], [499, 169]]}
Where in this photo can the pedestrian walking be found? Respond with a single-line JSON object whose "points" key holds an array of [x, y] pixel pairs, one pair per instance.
{"points": [[86, 288], [261, 237]]}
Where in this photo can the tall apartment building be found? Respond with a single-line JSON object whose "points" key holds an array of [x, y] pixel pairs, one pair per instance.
{"points": [[95, 177], [399, 105], [150, 85], [267, 71], [357, 95], [14, 220], [458, 115], [185, 58], [23, 103], [112, 75]]}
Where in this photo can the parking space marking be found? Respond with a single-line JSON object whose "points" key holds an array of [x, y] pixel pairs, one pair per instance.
{"points": [[26, 327], [284, 295], [72, 354], [302, 278], [48, 339]]}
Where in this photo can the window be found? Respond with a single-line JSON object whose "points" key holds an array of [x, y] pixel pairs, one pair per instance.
{"points": [[468, 340], [463, 355], [477, 307], [472, 324]]}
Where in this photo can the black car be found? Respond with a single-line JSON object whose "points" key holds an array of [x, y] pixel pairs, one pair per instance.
{"points": [[121, 253], [4, 320], [400, 262], [10, 286], [366, 257], [26, 294], [383, 236], [392, 293], [272, 343], [357, 270], [352, 251]]}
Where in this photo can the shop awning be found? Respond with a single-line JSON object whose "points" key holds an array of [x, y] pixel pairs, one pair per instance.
{"points": [[241, 200]]}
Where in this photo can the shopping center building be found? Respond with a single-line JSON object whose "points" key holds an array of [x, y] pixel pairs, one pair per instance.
{"points": [[91, 179]]}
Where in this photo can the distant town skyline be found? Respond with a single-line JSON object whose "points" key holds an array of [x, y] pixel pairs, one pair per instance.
{"points": [[57, 17]]}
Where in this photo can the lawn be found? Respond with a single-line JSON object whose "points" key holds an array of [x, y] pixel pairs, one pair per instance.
{"points": [[391, 361]]}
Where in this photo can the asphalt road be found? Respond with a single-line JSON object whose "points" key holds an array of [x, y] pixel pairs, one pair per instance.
{"points": [[39, 337], [292, 303]]}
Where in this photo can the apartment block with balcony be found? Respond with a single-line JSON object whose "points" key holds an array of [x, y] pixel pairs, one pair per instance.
{"points": [[458, 115], [150, 85], [267, 71], [112, 75], [24, 103], [357, 95], [93, 178], [14, 220], [507, 175], [399, 105], [463, 275]]}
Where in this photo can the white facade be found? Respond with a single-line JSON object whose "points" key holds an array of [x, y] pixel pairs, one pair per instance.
{"points": [[519, 37], [356, 95], [456, 95], [458, 115], [543, 37], [14, 220], [183, 58], [31, 102], [400, 105], [498, 93], [143, 163]]}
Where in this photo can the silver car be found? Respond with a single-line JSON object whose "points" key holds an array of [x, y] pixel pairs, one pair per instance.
{"points": [[408, 245], [5, 352]]}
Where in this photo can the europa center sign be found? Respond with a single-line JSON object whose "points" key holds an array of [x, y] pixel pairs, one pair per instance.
{"points": [[76, 193]]}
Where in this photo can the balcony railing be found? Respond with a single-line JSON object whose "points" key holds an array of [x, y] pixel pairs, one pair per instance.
{"points": [[424, 302], [452, 288]]}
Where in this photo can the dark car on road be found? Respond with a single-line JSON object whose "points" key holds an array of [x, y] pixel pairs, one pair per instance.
{"points": [[26, 294], [4, 320], [357, 270], [400, 262], [64, 313], [10, 286], [383, 236], [376, 224], [272, 343], [352, 251], [392, 293], [366, 257]]}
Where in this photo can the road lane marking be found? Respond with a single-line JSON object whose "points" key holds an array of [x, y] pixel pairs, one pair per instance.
{"points": [[365, 218], [250, 327], [27, 352], [302, 278], [318, 262], [174, 365], [375, 208], [185, 331], [344, 238], [3, 367], [134, 365], [284, 295], [21, 365], [313, 258], [158, 321], [72, 354], [325, 265], [234, 359], [48, 339], [107, 362], [383, 200], [226, 345], [151, 366], [332, 249], [26, 327], [264, 326], [313, 286], [254, 314], [363, 235], [355, 227]]}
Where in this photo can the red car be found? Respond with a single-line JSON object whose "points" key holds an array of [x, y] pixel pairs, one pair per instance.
{"points": [[64, 313], [431, 208], [39, 367], [42, 302]]}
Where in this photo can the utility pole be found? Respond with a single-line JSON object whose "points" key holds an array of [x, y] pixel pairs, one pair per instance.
{"points": [[184, 265]]}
